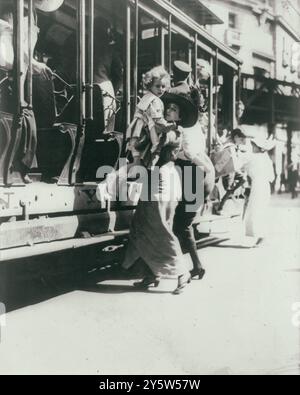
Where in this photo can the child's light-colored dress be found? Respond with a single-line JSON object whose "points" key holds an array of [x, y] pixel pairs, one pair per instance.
{"points": [[260, 170]]}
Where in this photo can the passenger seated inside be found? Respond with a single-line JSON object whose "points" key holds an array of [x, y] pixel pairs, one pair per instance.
{"points": [[108, 71], [25, 158]]}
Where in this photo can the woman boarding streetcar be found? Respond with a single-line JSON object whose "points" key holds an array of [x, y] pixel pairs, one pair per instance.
{"points": [[152, 237], [69, 150]]}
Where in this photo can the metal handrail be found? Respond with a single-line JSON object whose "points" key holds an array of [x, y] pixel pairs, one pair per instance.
{"points": [[62, 80], [3, 79], [63, 93]]}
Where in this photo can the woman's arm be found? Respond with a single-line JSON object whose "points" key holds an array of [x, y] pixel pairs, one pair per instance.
{"points": [[42, 69]]}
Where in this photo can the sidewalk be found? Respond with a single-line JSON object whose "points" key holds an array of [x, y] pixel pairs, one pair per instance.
{"points": [[238, 320]]}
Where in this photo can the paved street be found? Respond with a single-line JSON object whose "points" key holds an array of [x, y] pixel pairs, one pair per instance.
{"points": [[238, 320]]}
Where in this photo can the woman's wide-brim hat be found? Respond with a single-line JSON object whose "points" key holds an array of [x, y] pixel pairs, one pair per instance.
{"points": [[48, 5], [188, 111], [263, 143]]}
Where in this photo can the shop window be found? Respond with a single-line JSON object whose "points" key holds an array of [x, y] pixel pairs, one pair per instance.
{"points": [[295, 57], [285, 54], [232, 20]]}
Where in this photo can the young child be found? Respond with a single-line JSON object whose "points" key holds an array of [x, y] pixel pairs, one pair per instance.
{"points": [[149, 125]]}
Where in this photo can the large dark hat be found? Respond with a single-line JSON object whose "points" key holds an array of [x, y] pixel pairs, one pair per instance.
{"points": [[188, 111]]}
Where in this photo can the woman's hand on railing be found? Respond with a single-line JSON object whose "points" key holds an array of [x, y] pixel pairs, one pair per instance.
{"points": [[42, 69]]}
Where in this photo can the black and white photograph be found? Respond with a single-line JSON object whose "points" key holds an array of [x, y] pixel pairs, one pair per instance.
{"points": [[150, 190]]}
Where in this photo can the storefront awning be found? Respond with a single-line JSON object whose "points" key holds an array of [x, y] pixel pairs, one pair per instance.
{"points": [[269, 103], [198, 11], [188, 27]]}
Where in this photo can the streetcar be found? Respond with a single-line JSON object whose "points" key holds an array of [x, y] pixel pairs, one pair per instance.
{"points": [[56, 208]]}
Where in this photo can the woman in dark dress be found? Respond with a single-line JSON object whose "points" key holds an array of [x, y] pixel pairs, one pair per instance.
{"points": [[152, 238]]}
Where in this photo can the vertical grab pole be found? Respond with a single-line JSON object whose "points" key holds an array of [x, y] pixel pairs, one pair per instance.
{"points": [[18, 91], [196, 57], [81, 108], [80, 89], [162, 45], [234, 101], [19, 55], [170, 44], [90, 82], [136, 52], [217, 93], [238, 87], [128, 63], [211, 106], [239, 84], [30, 52], [190, 60]]}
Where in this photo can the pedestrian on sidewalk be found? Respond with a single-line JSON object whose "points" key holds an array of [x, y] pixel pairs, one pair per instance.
{"points": [[294, 178], [259, 168], [235, 180]]}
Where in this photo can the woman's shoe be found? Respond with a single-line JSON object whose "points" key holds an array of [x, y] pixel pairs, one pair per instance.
{"points": [[260, 242], [27, 179], [147, 282], [200, 272], [183, 281]]}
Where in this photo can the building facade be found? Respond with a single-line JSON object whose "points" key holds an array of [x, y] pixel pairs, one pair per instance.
{"points": [[266, 36]]}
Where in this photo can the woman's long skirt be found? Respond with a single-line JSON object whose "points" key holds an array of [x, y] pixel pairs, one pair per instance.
{"points": [[256, 213], [151, 236], [260, 170]]}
